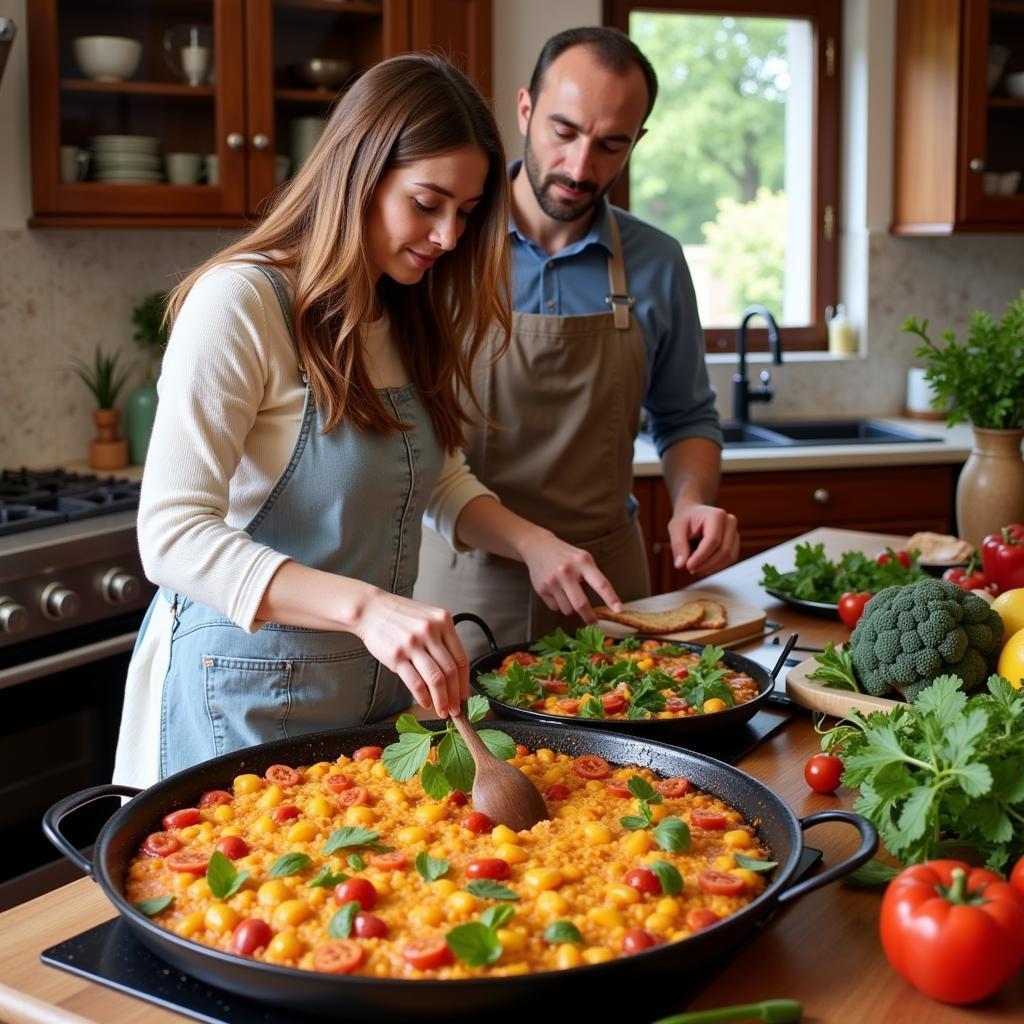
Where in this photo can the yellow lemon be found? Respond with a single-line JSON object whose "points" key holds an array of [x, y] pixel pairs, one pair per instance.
{"points": [[1011, 660], [1010, 605]]}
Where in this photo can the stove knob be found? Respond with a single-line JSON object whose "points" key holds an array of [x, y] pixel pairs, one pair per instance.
{"points": [[13, 616], [120, 587], [59, 602]]}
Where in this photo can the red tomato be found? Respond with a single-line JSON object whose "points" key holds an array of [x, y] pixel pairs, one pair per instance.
{"points": [[367, 754], [250, 935], [458, 798], [903, 557], [707, 819], [195, 861], [477, 821], [558, 791], [370, 926], [554, 686], [285, 812], [851, 607], [183, 818], [359, 889], [953, 931], [696, 920], [161, 844], [569, 705], [591, 766], [600, 659], [720, 883], [489, 867], [428, 951], [214, 798], [339, 956], [618, 788], [636, 940], [674, 787], [354, 796], [822, 773], [643, 880], [233, 847], [681, 673], [393, 860], [614, 702], [1017, 876], [338, 783], [522, 750], [676, 703], [522, 658], [282, 775]]}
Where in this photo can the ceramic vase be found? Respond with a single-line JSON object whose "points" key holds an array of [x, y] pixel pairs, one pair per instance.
{"points": [[990, 491], [107, 451], [141, 411]]}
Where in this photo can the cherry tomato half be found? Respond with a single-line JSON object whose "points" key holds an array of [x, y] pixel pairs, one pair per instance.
{"points": [[674, 787], [720, 883], [614, 702], [354, 796], [359, 889], [568, 705], [822, 773], [616, 787], [367, 754], [489, 867], [338, 783], [282, 775], [559, 791], [183, 818], [707, 819], [392, 860], [591, 766], [161, 844], [233, 847], [194, 861], [643, 880], [285, 812], [214, 798], [851, 607], [701, 918], [249, 935], [477, 821], [428, 951], [339, 956]]}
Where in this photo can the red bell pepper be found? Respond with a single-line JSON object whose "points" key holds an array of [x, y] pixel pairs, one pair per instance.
{"points": [[970, 577], [1002, 557]]}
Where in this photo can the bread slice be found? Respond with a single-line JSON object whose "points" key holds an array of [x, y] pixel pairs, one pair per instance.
{"points": [[715, 616], [672, 620], [939, 547]]}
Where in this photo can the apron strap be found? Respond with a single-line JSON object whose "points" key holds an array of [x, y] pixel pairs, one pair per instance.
{"points": [[620, 300], [284, 299]]}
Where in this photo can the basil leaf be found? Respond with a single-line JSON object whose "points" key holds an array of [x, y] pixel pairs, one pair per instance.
{"points": [[488, 890], [349, 836], [355, 862], [643, 790], [222, 877], [497, 915], [406, 757], [340, 926], [633, 822], [456, 762], [562, 931], [433, 782], [477, 707], [154, 905], [502, 746], [407, 723], [672, 835], [670, 879], [875, 872], [753, 864], [289, 864], [327, 879], [474, 943], [429, 868]]}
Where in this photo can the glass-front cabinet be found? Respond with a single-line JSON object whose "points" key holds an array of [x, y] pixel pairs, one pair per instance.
{"points": [[190, 112]]}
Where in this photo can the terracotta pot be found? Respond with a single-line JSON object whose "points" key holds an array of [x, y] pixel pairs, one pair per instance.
{"points": [[990, 492], [107, 451]]}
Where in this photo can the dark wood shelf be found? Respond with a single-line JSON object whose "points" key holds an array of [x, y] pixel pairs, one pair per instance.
{"points": [[336, 6], [177, 90], [1006, 102], [319, 97]]}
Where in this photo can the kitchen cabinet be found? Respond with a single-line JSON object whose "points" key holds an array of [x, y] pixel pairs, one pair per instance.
{"points": [[247, 106], [959, 134], [774, 506]]}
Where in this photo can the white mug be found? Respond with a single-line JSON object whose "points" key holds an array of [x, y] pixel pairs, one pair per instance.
{"points": [[195, 62], [306, 131], [211, 169], [74, 163], [183, 168], [919, 392]]}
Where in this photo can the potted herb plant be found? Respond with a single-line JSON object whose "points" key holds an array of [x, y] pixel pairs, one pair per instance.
{"points": [[105, 379], [983, 380], [151, 336]]}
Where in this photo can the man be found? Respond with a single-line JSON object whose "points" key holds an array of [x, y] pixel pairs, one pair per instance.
{"points": [[605, 323]]}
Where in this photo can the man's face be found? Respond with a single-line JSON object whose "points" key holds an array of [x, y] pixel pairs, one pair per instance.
{"points": [[580, 132]]}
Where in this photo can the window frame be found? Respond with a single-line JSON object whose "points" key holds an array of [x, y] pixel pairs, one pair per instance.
{"points": [[825, 17]]}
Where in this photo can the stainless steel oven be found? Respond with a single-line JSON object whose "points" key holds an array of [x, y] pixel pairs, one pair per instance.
{"points": [[72, 598]]}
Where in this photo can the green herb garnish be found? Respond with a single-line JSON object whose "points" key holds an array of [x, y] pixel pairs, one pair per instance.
{"points": [[485, 889], [475, 943], [327, 879], [835, 668], [340, 926], [753, 864], [429, 868], [672, 835], [341, 838], [562, 931], [222, 877], [154, 905], [289, 864], [669, 877]]}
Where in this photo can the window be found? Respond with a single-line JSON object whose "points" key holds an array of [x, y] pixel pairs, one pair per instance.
{"points": [[740, 159]]}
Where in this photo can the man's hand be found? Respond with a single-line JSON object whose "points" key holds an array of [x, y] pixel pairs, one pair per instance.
{"points": [[704, 539]]}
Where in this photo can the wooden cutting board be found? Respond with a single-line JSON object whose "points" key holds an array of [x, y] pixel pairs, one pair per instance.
{"points": [[816, 696], [743, 620]]}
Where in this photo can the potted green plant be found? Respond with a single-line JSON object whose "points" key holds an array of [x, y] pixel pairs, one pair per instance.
{"points": [[151, 335], [982, 380], [105, 379]]}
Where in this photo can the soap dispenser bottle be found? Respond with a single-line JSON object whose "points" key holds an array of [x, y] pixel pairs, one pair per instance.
{"points": [[842, 335]]}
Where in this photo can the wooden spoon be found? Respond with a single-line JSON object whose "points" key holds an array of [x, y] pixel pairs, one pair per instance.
{"points": [[500, 790]]}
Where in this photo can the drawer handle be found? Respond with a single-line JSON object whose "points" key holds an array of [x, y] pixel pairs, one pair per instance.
{"points": [[821, 496]]}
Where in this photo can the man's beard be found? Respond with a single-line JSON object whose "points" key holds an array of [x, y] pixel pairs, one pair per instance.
{"points": [[555, 207]]}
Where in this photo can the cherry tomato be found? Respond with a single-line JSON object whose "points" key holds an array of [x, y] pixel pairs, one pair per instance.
{"points": [[681, 673], [367, 754], [822, 773], [1017, 876], [643, 880], [559, 791], [428, 951], [568, 705], [393, 860], [338, 783], [477, 821], [600, 659], [183, 818], [250, 935], [614, 702], [370, 926], [851, 607], [676, 704], [354, 796], [359, 889], [285, 812], [233, 847], [522, 658], [701, 918], [636, 940], [720, 883], [458, 798], [674, 787], [554, 686], [522, 750], [282, 775], [707, 819], [161, 844], [214, 798], [339, 956], [489, 867], [618, 788], [195, 861], [591, 766], [903, 557]]}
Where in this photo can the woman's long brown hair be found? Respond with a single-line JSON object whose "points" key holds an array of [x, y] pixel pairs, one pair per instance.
{"points": [[405, 109]]}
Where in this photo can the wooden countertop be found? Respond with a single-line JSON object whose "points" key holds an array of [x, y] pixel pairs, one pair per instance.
{"points": [[824, 950]]}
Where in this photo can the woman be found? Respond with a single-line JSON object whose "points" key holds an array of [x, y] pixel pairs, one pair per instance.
{"points": [[309, 415]]}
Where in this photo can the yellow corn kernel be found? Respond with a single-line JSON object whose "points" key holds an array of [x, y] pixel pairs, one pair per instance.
{"points": [[303, 831], [271, 797], [714, 704], [567, 955], [516, 969], [243, 900], [292, 912], [724, 862], [318, 770], [220, 918], [190, 924], [503, 834], [444, 886], [659, 812], [137, 870], [231, 830], [205, 833], [543, 878], [667, 907], [607, 917], [554, 774], [273, 892], [645, 664], [512, 853], [552, 903], [381, 882], [529, 769], [412, 834], [190, 832], [343, 759], [597, 834], [360, 816], [285, 946], [616, 868], [565, 811], [395, 796], [320, 807], [511, 939], [749, 877], [657, 923], [550, 702], [199, 889], [598, 955], [183, 879], [317, 897], [264, 826], [462, 902], [223, 813], [426, 917], [637, 844], [572, 872], [620, 893], [737, 839], [546, 756], [431, 814], [378, 771], [244, 784]]}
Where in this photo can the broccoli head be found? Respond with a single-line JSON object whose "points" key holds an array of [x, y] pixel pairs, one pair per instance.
{"points": [[911, 634]]}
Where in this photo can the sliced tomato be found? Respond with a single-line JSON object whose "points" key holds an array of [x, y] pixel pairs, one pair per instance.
{"points": [[195, 861], [215, 797], [392, 860], [522, 658], [674, 787], [676, 704], [339, 956], [720, 883], [568, 705], [250, 935], [493, 868], [707, 819], [559, 791], [360, 890], [701, 918], [591, 766], [614, 702], [161, 844], [616, 787], [282, 775], [554, 686], [338, 783], [354, 796], [285, 812], [367, 754], [477, 821], [370, 926], [233, 847], [183, 818], [680, 673], [428, 951]]}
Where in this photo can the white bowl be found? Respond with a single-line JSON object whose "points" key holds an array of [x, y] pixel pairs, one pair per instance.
{"points": [[1014, 84], [107, 58]]}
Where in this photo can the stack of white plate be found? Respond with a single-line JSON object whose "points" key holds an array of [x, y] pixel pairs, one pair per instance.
{"points": [[126, 159]]}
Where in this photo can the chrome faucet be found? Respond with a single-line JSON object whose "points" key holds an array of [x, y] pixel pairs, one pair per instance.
{"points": [[742, 393]]}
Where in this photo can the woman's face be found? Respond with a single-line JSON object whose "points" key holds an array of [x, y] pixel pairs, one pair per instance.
{"points": [[420, 210]]}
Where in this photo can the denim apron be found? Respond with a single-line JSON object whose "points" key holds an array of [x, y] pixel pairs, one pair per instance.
{"points": [[349, 503]]}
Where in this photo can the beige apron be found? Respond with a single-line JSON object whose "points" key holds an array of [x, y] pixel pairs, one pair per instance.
{"points": [[566, 399]]}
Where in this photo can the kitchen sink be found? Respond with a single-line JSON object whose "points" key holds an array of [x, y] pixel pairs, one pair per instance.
{"points": [[808, 432]]}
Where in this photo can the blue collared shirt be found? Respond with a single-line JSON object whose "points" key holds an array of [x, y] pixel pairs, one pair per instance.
{"points": [[574, 282]]}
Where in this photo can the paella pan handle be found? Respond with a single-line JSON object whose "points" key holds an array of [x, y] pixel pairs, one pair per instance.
{"points": [[62, 808], [790, 644], [864, 852], [470, 617]]}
